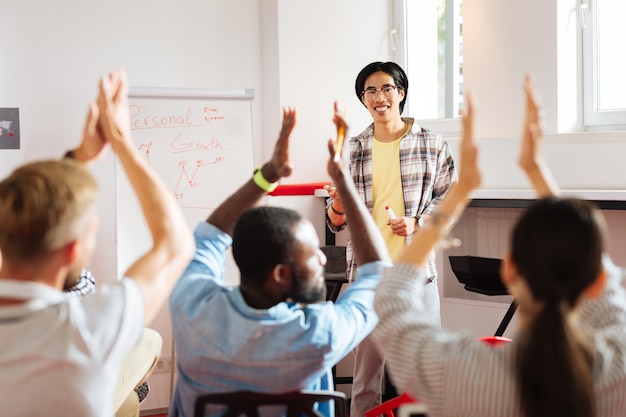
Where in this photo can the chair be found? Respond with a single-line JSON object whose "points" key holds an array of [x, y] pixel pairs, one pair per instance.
{"points": [[482, 276], [387, 407], [335, 271], [297, 403], [138, 366]]}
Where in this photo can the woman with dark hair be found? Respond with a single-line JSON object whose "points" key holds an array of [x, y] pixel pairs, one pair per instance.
{"points": [[556, 260], [399, 167], [568, 358]]}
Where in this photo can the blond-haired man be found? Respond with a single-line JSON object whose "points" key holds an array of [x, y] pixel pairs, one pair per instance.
{"points": [[69, 350]]}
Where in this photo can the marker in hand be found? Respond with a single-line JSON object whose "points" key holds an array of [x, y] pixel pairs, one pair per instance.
{"points": [[390, 212], [340, 136]]}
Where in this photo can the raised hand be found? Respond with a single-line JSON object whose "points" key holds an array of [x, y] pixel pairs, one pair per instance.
{"points": [[368, 242], [114, 119], [342, 129], [530, 150], [93, 146], [469, 173], [531, 158], [250, 194], [337, 167], [279, 166]]}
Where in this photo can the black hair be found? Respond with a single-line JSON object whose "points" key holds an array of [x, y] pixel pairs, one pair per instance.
{"points": [[263, 238], [557, 248], [391, 68]]}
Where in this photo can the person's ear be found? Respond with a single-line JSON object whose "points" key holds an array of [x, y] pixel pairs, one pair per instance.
{"points": [[70, 252], [401, 94], [595, 289], [282, 276]]}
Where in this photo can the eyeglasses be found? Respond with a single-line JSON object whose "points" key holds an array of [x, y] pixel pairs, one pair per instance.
{"points": [[372, 93]]}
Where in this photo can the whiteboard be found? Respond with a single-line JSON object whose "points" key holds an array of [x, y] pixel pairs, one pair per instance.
{"points": [[199, 141]]}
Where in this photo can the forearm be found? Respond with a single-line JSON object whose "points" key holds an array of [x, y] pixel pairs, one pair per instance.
{"points": [[337, 218], [403, 327], [159, 268], [427, 237], [439, 195], [541, 178], [353, 315], [435, 202], [248, 195], [164, 219], [367, 241]]}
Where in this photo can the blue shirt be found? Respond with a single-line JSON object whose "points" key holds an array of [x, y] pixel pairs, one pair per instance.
{"points": [[223, 345]]}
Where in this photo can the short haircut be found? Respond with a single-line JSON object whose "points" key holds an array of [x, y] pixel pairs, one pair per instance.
{"points": [[263, 238], [43, 206], [391, 68]]}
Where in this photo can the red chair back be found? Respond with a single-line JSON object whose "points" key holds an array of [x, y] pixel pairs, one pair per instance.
{"points": [[386, 408]]}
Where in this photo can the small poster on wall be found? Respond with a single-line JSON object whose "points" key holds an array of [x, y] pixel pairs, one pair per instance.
{"points": [[9, 128]]}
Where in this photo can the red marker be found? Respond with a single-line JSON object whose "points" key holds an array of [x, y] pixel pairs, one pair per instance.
{"points": [[390, 212]]}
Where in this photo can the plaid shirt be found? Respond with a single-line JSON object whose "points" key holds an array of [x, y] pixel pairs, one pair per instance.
{"points": [[86, 285], [427, 172]]}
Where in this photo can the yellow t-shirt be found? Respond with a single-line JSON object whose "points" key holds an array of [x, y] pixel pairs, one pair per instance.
{"points": [[387, 191]]}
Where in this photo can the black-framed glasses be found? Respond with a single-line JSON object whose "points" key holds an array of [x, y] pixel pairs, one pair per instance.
{"points": [[371, 93]]}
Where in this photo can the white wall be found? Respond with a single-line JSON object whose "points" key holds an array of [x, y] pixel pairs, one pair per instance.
{"points": [[323, 45], [53, 54], [503, 41]]}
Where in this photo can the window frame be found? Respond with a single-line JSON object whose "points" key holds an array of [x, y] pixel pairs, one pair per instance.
{"points": [[593, 118], [448, 127]]}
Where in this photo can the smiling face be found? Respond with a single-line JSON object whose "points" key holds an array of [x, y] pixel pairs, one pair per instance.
{"points": [[383, 107]]}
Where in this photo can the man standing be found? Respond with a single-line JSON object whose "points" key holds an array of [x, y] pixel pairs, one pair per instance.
{"points": [[399, 165]]}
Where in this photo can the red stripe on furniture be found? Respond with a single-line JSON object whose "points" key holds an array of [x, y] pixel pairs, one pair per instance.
{"points": [[298, 189]]}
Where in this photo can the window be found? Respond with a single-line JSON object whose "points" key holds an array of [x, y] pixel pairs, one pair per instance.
{"points": [[428, 44], [604, 65], [429, 47]]}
